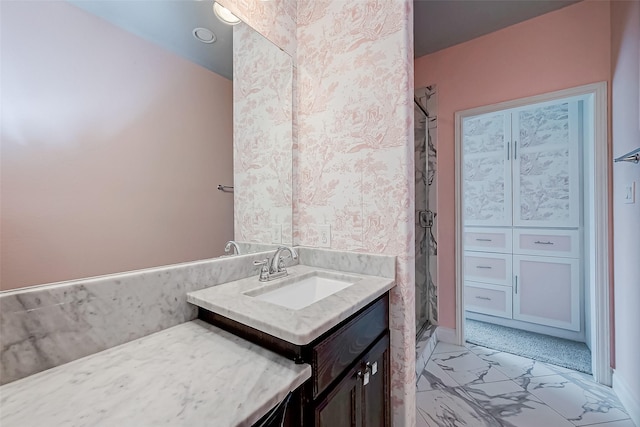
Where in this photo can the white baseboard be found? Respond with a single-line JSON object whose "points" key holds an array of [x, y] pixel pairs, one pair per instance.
{"points": [[446, 335], [630, 402]]}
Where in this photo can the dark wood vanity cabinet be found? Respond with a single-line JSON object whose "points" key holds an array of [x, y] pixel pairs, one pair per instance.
{"points": [[361, 397], [350, 382]]}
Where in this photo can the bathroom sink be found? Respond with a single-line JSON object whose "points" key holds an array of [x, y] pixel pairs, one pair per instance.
{"points": [[302, 291]]}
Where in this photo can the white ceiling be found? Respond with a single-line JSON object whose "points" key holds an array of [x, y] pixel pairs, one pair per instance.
{"points": [[438, 24]]}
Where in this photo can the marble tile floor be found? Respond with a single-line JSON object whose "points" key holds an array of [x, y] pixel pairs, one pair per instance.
{"points": [[475, 386]]}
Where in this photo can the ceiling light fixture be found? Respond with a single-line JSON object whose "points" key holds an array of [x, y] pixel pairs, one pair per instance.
{"points": [[224, 14], [204, 35]]}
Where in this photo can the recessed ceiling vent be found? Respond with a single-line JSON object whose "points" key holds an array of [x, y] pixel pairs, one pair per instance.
{"points": [[204, 35]]}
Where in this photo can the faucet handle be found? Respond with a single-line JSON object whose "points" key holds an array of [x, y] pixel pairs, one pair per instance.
{"points": [[264, 270], [281, 265]]}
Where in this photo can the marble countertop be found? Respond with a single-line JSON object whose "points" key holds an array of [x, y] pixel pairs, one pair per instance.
{"points": [[192, 374], [301, 326]]}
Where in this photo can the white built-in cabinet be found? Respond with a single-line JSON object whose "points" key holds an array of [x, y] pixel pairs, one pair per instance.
{"points": [[522, 210]]}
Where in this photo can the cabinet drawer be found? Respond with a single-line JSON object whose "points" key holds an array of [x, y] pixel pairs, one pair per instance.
{"points": [[487, 268], [483, 298], [563, 243], [335, 353], [487, 239]]}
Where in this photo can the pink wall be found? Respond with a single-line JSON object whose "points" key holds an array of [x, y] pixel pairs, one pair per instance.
{"points": [[111, 150], [566, 48], [625, 124]]}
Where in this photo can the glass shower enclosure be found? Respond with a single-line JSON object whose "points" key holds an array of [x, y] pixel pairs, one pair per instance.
{"points": [[425, 103]]}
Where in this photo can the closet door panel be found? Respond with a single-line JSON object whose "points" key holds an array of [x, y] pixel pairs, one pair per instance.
{"points": [[547, 291], [487, 169], [546, 180]]}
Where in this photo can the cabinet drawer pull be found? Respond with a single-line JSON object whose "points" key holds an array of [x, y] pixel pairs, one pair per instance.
{"points": [[484, 240], [538, 242], [484, 298], [484, 266], [364, 376]]}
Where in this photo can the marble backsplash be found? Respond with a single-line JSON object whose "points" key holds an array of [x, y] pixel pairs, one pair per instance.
{"points": [[354, 262], [46, 326]]}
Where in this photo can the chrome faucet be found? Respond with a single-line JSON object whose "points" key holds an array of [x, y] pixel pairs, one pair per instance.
{"points": [[231, 244], [274, 268]]}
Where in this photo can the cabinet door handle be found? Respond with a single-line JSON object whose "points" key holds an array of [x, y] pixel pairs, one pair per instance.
{"points": [[538, 242], [508, 147], [484, 240], [484, 266], [516, 284], [484, 298], [515, 150]]}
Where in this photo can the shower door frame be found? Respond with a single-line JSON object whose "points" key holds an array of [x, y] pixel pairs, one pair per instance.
{"points": [[427, 321]]}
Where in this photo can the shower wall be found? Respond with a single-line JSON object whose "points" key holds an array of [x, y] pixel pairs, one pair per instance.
{"points": [[425, 200]]}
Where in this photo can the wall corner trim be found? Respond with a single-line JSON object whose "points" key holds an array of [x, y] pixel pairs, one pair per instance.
{"points": [[630, 402], [447, 335]]}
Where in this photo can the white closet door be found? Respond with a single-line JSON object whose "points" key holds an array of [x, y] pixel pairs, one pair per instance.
{"points": [[547, 291], [546, 179], [487, 169]]}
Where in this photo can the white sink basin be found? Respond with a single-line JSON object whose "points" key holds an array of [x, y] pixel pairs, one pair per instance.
{"points": [[299, 292]]}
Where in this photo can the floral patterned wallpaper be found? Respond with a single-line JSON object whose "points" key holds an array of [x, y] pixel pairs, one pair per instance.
{"points": [[355, 167], [540, 168], [262, 138], [275, 19], [353, 141], [486, 170], [545, 167]]}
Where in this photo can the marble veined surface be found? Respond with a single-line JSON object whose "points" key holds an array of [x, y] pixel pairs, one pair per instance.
{"points": [[352, 262], [45, 326], [480, 387], [295, 326], [193, 374]]}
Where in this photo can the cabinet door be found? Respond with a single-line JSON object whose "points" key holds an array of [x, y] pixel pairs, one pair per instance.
{"points": [[362, 398], [546, 178], [547, 291], [486, 169], [375, 390], [341, 407]]}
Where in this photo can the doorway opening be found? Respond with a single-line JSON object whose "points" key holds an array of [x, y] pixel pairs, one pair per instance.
{"points": [[532, 220]]}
